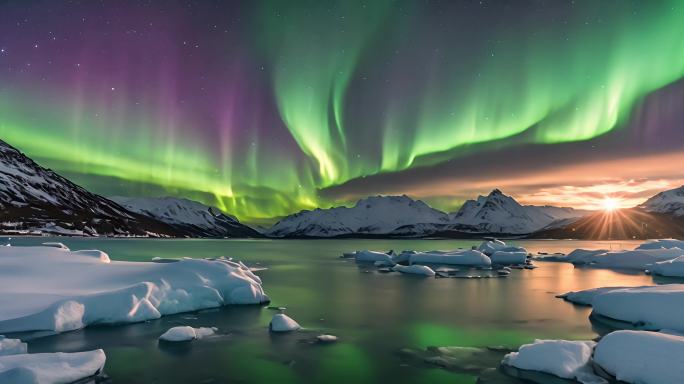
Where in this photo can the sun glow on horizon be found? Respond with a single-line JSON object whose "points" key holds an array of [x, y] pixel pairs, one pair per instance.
{"points": [[610, 204]]}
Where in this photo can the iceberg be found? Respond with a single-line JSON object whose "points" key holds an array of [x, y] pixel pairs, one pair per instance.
{"points": [[490, 246], [372, 257], [642, 357], [662, 243], [54, 289], [640, 259]]}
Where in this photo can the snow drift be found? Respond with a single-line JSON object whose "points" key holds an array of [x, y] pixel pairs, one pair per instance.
{"points": [[52, 289]]}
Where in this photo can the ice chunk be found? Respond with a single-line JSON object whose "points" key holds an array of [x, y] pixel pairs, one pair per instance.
{"points": [[467, 257], [505, 257], [490, 246], [11, 346], [56, 245], [414, 269], [672, 268], [326, 338], [372, 256], [283, 323], [662, 243], [638, 259], [50, 368], [651, 308], [562, 358], [642, 357], [186, 333]]}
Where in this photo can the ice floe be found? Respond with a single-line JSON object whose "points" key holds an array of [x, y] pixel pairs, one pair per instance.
{"points": [[49, 368], [642, 357], [650, 308], [670, 268], [504, 257], [187, 333], [54, 289], [561, 358], [459, 257], [415, 269]]}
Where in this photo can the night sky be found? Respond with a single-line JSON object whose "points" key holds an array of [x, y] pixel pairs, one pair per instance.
{"points": [[264, 108]]}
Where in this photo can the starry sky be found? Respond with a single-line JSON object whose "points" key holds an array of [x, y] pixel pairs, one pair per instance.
{"points": [[264, 108]]}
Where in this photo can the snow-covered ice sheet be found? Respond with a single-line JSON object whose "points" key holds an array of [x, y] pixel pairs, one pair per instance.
{"points": [[52, 289], [50, 368], [642, 357]]}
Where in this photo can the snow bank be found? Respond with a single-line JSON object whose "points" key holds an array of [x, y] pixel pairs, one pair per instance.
{"points": [[50, 368], [672, 268], [562, 358], [414, 269], [186, 333], [467, 257], [371, 257], [662, 243], [11, 346], [642, 357], [283, 323], [53, 289], [503, 257]]}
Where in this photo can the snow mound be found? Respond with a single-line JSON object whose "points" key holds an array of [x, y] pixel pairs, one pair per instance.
{"points": [[51, 289], [662, 243], [283, 323], [562, 358], [50, 368], [468, 257], [11, 346], [414, 269], [642, 357], [504, 257], [186, 333], [671, 268], [587, 296]]}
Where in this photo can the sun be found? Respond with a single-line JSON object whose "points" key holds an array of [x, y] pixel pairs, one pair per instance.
{"points": [[609, 204]]}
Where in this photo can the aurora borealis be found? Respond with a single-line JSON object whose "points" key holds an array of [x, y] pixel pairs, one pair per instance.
{"points": [[264, 108]]}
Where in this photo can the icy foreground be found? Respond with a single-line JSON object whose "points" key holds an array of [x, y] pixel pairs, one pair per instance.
{"points": [[629, 356], [18, 367], [53, 289]]}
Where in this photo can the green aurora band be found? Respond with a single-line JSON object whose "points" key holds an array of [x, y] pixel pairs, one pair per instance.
{"points": [[362, 89]]}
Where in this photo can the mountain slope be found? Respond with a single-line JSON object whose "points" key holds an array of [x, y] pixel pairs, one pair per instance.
{"points": [[188, 216], [668, 202], [37, 200], [376, 215], [499, 213]]}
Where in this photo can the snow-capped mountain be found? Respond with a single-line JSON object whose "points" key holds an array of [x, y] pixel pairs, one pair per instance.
{"points": [[36, 200], [499, 213], [188, 216], [376, 215], [669, 202]]}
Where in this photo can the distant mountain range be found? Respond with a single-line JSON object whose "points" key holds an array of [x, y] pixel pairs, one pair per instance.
{"points": [[36, 200], [401, 216]]}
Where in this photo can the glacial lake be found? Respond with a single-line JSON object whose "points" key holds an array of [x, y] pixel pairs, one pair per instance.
{"points": [[375, 315]]}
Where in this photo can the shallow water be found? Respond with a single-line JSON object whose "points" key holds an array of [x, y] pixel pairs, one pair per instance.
{"points": [[375, 315]]}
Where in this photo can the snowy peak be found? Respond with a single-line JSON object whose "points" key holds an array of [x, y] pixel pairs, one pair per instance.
{"points": [[37, 200], [196, 218], [499, 213], [669, 202], [373, 215]]}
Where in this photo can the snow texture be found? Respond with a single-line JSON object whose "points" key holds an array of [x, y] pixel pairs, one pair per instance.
{"points": [[52, 289], [50, 368]]}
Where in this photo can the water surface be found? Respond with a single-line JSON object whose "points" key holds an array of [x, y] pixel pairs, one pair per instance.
{"points": [[375, 315]]}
